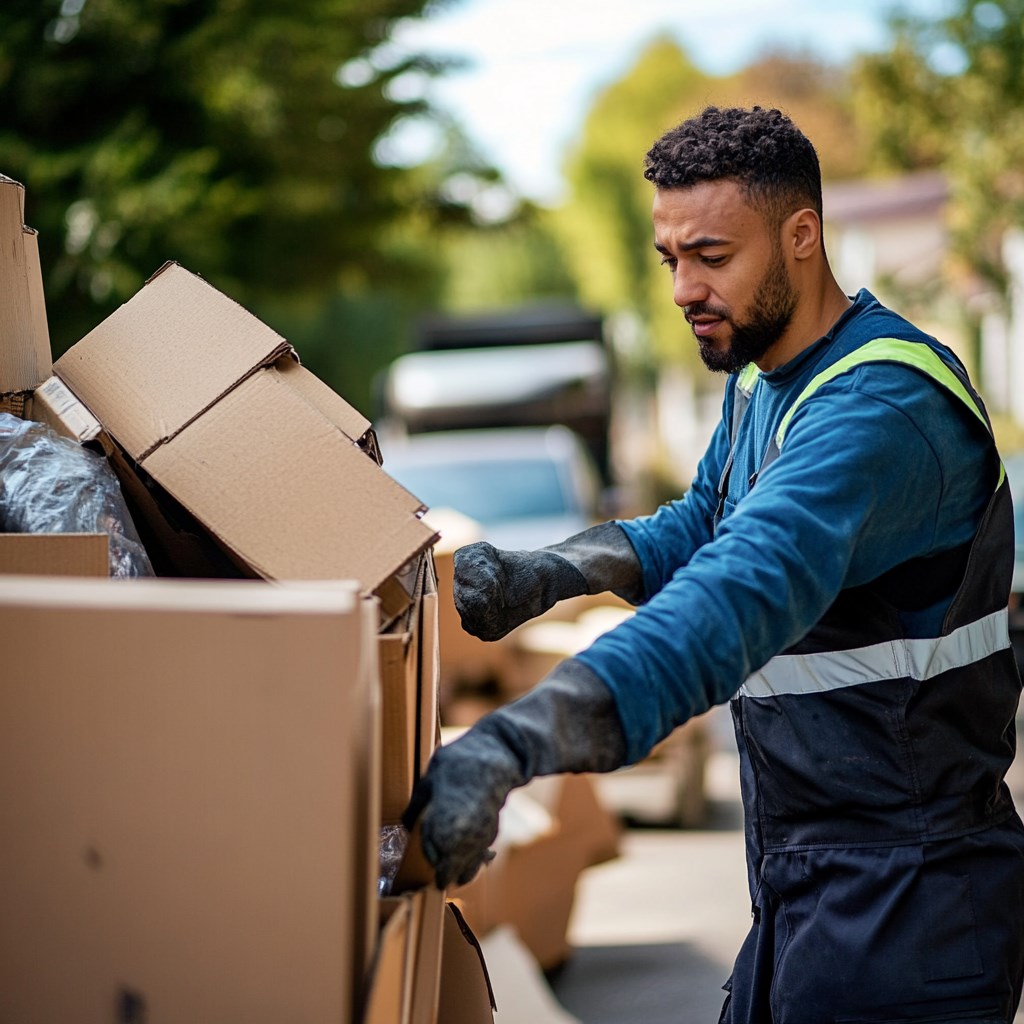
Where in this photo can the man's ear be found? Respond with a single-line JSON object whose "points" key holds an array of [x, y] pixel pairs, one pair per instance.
{"points": [[801, 234]]}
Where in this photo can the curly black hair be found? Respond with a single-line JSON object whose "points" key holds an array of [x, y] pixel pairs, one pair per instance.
{"points": [[763, 150]]}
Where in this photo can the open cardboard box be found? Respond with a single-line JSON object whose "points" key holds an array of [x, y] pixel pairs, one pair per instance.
{"points": [[237, 461], [187, 800], [223, 440], [429, 965]]}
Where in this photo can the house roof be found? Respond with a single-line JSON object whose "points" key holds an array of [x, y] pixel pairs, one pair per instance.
{"points": [[879, 199]]}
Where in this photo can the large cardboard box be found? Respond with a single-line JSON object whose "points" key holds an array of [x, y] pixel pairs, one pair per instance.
{"points": [[55, 554], [222, 436], [24, 333], [186, 800]]}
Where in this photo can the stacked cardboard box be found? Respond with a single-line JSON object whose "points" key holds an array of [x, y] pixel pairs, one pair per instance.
{"points": [[184, 779], [25, 352], [198, 767]]}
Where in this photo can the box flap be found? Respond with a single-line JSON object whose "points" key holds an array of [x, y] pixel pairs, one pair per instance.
{"points": [[466, 995], [389, 993], [279, 486], [165, 356], [24, 337], [521, 991], [348, 420]]}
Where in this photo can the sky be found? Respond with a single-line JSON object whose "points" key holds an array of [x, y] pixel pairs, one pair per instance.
{"points": [[558, 54]]}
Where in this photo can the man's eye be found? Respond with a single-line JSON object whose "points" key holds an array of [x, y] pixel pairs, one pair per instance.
{"points": [[712, 261], [669, 261]]}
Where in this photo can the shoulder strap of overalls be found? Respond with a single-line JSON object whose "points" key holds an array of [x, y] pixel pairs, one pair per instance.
{"points": [[881, 350], [893, 350], [743, 388]]}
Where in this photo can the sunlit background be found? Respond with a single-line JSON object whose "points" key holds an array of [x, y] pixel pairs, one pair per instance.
{"points": [[344, 168], [402, 187]]}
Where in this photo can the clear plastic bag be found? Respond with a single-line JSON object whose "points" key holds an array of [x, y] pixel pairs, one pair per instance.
{"points": [[393, 841], [51, 484]]}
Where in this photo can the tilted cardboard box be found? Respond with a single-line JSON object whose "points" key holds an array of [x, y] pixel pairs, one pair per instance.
{"points": [[209, 407], [186, 800]]}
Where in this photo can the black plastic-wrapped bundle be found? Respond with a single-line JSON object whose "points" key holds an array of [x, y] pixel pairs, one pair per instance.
{"points": [[50, 484]]}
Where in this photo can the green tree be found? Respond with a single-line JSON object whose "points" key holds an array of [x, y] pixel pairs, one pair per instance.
{"points": [[605, 222], [241, 138], [950, 94]]}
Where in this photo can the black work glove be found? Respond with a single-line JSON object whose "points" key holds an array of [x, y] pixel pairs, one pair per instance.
{"points": [[568, 723], [495, 590]]}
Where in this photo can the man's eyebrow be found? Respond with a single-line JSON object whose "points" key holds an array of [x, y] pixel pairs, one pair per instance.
{"points": [[706, 242]]}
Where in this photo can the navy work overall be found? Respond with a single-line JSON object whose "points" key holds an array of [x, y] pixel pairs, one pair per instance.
{"points": [[885, 857]]}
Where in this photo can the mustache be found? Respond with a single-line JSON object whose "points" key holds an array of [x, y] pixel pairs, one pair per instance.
{"points": [[705, 309]]}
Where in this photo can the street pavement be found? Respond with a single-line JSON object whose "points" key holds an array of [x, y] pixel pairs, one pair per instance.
{"points": [[656, 930]]}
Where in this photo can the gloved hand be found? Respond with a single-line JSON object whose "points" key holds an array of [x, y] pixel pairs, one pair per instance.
{"points": [[567, 723], [495, 590]]}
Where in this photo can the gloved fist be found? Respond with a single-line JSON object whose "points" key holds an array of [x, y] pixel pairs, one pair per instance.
{"points": [[495, 590], [458, 799], [569, 722]]}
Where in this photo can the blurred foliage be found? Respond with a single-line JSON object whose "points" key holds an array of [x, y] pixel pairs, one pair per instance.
{"points": [[605, 223], [950, 94], [237, 137], [251, 141]]}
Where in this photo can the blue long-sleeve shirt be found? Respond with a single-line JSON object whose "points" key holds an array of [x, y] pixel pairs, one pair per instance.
{"points": [[880, 465]]}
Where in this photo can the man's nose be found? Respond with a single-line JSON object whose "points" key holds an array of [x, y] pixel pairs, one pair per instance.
{"points": [[688, 288]]}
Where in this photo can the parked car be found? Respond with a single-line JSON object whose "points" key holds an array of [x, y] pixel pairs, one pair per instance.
{"points": [[526, 486], [530, 366]]}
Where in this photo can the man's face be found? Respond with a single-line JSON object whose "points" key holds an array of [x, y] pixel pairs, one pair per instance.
{"points": [[729, 273]]}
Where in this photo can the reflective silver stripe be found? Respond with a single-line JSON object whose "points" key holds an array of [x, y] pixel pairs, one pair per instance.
{"points": [[895, 659]]}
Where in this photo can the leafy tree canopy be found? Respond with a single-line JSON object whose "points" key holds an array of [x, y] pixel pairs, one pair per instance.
{"points": [[950, 94], [235, 136]]}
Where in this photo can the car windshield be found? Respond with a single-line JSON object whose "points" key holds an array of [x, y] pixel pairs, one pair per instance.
{"points": [[488, 491]]}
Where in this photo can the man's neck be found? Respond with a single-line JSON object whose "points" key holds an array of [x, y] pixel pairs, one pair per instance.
{"points": [[813, 319]]}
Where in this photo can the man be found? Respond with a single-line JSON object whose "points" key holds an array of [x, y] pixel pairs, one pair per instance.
{"points": [[839, 572]]}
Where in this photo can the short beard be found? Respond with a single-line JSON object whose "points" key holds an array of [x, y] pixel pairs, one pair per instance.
{"points": [[773, 306]]}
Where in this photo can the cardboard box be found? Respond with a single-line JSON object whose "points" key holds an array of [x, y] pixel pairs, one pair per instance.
{"points": [[428, 968], [55, 554], [24, 333], [186, 800], [223, 438], [389, 995], [405, 984], [408, 653]]}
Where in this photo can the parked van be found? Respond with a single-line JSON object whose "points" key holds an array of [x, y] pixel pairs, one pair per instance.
{"points": [[534, 366]]}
